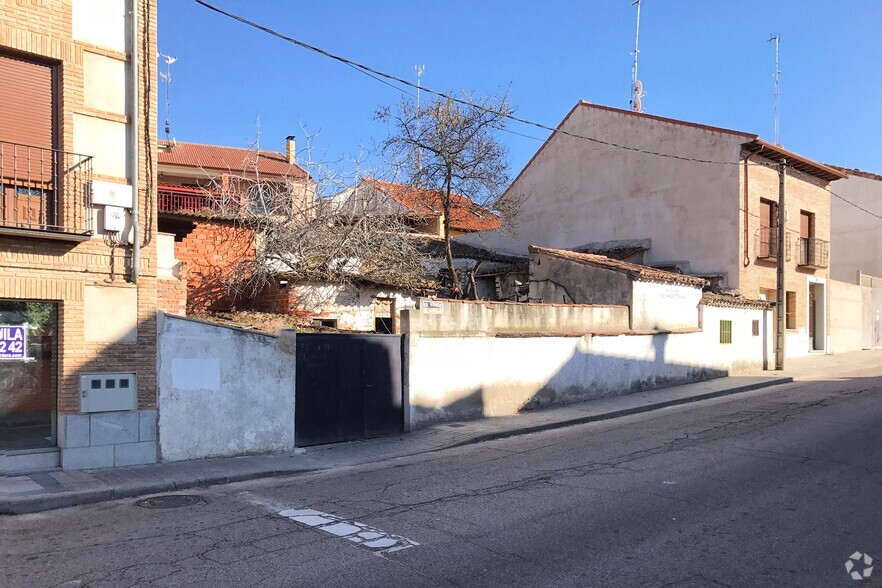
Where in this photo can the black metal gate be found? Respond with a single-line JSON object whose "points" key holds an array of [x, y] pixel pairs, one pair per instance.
{"points": [[348, 387]]}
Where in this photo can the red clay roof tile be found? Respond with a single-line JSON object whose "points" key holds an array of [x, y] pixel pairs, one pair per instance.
{"points": [[231, 159]]}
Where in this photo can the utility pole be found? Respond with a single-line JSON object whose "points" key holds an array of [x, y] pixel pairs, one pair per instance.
{"points": [[636, 86], [779, 299], [777, 39]]}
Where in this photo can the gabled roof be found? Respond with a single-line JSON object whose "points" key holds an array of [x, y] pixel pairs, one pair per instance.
{"points": [[229, 159], [465, 215], [634, 270], [752, 142]]}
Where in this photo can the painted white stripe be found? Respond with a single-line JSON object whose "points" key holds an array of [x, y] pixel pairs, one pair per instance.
{"points": [[364, 535]]}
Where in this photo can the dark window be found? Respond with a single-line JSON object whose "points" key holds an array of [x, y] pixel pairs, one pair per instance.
{"points": [[95, 384], [124, 383], [756, 328], [725, 331], [110, 384], [768, 242]]}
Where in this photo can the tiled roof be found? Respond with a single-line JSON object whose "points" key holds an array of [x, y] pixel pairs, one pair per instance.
{"points": [[635, 270], [857, 172], [231, 159], [729, 300], [465, 215]]}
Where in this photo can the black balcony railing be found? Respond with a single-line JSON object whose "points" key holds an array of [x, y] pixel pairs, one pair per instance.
{"points": [[813, 252], [767, 244], [44, 189]]}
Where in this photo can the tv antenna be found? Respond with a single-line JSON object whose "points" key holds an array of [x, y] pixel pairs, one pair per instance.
{"points": [[777, 39], [419, 72], [166, 77], [637, 92]]}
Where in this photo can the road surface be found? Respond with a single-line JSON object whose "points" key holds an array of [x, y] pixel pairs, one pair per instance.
{"points": [[777, 487]]}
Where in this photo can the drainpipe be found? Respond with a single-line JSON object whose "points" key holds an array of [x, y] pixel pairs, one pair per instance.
{"points": [[133, 121], [746, 212]]}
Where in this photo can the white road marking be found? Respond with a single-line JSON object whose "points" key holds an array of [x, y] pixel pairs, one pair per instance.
{"points": [[364, 535]]}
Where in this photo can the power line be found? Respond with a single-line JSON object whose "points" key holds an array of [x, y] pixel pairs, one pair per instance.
{"points": [[376, 74], [385, 78]]}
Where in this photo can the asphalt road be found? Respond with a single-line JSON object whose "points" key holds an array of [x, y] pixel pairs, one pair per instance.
{"points": [[772, 488]]}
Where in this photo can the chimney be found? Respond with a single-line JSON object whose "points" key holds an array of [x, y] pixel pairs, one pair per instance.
{"points": [[290, 149]]}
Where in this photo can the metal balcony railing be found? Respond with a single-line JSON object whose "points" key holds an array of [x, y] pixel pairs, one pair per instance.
{"points": [[813, 252], [196, 201], [44, 189], [767, 244]]}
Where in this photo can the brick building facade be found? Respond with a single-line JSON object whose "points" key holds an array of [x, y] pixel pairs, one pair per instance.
{"points": [[64, 266]]}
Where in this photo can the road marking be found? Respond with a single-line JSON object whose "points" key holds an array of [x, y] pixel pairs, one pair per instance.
{"points": [[363, 535]]}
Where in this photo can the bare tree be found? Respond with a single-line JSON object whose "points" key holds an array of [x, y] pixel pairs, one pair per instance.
{"points": [[452, 148], [299, 234]]}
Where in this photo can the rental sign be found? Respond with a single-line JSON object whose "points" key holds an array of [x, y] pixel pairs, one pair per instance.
{"points": [[13, 342]]}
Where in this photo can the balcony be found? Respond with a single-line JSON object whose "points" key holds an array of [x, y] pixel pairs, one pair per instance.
{"points": [[813, 253], [767, 244], [186, 201], [44, 192]]}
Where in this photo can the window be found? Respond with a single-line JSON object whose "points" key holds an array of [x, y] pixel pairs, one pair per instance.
{"points": [[768, 242], [756, 328], [330, 323], [725, 331], [806, 237], [790, 310]]}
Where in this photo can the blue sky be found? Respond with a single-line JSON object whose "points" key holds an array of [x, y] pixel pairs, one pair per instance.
{"points": [[705, 61]]}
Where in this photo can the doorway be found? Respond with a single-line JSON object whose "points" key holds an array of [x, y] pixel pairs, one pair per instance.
{"points": [[817, 316]]}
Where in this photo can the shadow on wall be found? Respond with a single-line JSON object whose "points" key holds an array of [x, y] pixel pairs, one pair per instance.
{"points": [[506, 376]]}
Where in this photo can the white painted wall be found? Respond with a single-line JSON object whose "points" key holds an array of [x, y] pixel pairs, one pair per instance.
{"points": [[351, 306], [577, 192], [101, 23], [855, 236], [846, 317], [105, 141], [497, 376], [664, 306], [104, 81], [222, 391]]}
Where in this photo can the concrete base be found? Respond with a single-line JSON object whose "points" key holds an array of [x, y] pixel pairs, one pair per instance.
{"points": [[17, 462], [107, 439]]}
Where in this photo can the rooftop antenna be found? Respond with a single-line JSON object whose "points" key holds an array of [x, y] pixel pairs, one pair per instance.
{"points": [[777, 39], [419, 154], [419, 72], [166, 77], [637, 92]]}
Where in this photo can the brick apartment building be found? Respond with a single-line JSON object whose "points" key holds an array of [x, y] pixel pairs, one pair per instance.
{"points": [[77, 234], [711, 211]]}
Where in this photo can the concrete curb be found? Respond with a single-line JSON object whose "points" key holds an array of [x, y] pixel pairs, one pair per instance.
{"points": [[620, 413], [44, 502]]}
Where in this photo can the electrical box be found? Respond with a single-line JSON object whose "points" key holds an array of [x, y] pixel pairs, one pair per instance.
{"points": [[112, 194], [114, 219], [108, 392]]}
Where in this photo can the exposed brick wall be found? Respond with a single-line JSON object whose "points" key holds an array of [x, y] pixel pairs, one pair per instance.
{"points": [[171, 296], [39, 269], [802, 193], [212, 252]]}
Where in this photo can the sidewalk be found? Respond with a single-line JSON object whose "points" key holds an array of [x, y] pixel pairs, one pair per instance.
{"points": [[57, 489]]}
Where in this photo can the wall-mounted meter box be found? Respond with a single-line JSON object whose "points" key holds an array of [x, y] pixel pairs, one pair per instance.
{"points": [[114, 219], [112, 194], [108, 392]]}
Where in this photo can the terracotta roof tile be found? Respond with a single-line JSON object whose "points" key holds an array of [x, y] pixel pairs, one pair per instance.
{"points": [[465, 215], [232, 159], [635, 270]]}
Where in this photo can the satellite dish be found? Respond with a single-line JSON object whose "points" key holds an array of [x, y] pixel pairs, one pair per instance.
{"points": [[638, 105], [638, 87]]}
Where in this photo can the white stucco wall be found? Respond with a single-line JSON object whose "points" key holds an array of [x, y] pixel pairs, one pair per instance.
{"points": [[846, 317], [497, 376], [221, 391], [576, 192], [351, 306], [664, 306], [855, 236]]}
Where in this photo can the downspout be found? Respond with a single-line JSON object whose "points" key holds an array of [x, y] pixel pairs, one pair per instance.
{"points": [[746, 213], [136, 161]]}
